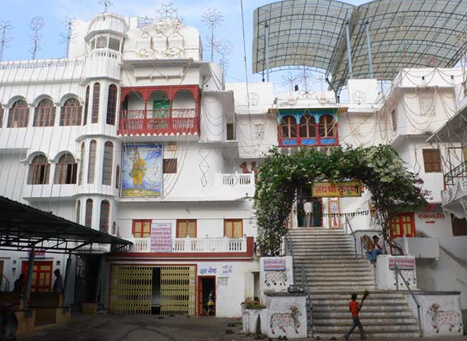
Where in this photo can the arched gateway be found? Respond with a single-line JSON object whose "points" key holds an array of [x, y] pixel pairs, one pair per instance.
{"points": [[393, 188]]}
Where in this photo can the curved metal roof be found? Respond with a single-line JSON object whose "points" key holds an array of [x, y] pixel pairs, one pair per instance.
{"points": [[403, 34]]}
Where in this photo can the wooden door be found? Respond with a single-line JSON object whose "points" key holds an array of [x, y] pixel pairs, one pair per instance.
{"points": [[41, 276]]}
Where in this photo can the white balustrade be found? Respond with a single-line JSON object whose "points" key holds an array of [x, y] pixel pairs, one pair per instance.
{"points": [[236, 179], [195, 245]]}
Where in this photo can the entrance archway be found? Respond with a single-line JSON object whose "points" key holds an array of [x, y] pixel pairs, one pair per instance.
{"points": [[393, 188]]}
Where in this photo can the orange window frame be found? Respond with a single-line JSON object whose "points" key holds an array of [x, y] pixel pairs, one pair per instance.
{"points": [[403, 225], [181, 233], [229, 228], [141, 228]]}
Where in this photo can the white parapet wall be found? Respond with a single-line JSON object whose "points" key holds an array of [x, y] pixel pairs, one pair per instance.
{"points": [[386, 272], [440, 312]]}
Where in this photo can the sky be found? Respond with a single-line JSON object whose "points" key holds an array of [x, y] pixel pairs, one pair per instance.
{"points": [[54, 12]]}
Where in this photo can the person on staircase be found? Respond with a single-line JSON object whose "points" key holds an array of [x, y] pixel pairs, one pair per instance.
{"points": [[308, 208], [375, 250], [354, 308]]}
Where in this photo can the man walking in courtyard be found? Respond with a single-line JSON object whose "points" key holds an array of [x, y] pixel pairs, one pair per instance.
{"points": [[354, 308]]}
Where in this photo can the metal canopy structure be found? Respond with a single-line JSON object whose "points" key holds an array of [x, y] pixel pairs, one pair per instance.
{"points": [[455, 129], [23, 227], [403, 34]]}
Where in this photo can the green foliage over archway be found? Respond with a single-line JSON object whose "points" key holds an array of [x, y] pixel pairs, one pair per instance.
{"points": [[393, 189]]}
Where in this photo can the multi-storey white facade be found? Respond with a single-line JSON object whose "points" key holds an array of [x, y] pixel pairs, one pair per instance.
{"points": [[135, 135]]}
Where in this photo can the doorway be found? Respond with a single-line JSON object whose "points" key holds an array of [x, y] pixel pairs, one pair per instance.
{"points": [[207, 293], [304, 194], [41, 275]]}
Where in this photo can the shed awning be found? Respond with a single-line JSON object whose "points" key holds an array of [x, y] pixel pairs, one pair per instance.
{"points": [[23, 227]]}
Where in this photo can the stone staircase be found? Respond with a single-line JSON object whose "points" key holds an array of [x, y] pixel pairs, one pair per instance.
{"points": [[333, 273]]}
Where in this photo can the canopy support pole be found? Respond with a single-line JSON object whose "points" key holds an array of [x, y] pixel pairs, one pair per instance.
{"points": [[368, 43], [27, 289], [267, 51], [67, 288], [349, 49]]}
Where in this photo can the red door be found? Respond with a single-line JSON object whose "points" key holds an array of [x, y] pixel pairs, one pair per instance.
{"points": [[41, 276]]}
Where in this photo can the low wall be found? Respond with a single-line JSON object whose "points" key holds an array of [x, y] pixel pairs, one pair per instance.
{"points": [[386, 274], [250, 320], [440, 312], [286, 315]]}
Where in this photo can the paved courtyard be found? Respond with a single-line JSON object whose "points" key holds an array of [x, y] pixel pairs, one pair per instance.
{"points": [[150, 328]]}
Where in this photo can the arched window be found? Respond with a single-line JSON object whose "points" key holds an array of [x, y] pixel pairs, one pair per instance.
{"points": [[39, 171], [107, 164], [70, 114], [81, 164], [104, 219], [86, 106], [92, 162], [327, 126], [112, 104], [88, 213], [1, 115], [19, 114], [117, 177], [95, 103], [78, 211], [307, 126], [288, 127], [65, 171], [44, 114], [114, 228]]}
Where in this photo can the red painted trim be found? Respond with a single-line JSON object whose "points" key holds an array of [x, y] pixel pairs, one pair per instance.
{"points": [[143, 125]]}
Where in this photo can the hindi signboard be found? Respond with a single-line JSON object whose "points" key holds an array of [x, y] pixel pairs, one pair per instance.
{"points": [[161, 237], [337, 189], [274, 264], [402, 263]]}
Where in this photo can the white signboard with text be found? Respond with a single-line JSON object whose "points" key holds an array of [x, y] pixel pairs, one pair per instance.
{"points": [[161, 237]]}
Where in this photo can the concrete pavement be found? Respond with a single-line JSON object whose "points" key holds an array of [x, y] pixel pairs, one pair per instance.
{"points": [[105, 327]]}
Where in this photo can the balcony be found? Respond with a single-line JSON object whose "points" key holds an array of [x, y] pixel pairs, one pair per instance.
{"points": [[149, 122], [199, 245], [298, 129], [160, 111]]}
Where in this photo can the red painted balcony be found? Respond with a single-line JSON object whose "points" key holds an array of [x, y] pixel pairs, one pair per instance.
{"points": [[159, 111]]}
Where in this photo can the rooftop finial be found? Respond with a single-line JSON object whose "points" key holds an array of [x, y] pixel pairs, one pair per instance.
{"points": [[37, 23], [106, 4], [167, 11], [5, 39], [212, 18], [67, 36]]}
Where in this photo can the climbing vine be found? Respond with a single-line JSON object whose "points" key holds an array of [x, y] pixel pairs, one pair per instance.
{"points": [[393, 189]]}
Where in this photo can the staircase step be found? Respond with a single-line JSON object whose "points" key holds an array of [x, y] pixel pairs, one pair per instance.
{"points": [[366, 322], [369, 328], [372, 335], [326, 315]]}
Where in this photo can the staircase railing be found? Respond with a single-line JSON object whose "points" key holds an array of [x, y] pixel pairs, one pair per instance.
{"points": [[347, 221], [399, 273]]}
